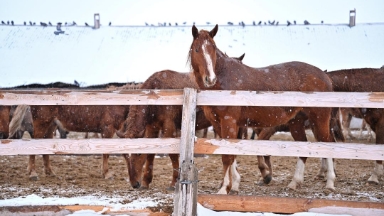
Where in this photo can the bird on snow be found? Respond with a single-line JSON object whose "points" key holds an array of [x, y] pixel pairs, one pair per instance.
{"points": [[76, 83], [184, 23], [110, 24], [253, 23], [273, 23], [306, 22], [146, 24], [322, 22], [8, 22], [86, 24], [2, 22], [12, 23], [277, 23], [169, 24], [288, 23], [43, 24], [30, 23], [34, 23], [74, 23], [176, 24], [66, 23], [50, 23], [294, 21], [208, 23], [25, 23], [259, 23]]}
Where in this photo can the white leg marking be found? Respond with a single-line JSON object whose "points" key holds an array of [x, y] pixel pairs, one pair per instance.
{"points": [[376, 173], [208, 60], [223, 189], [298, 177], [331, 176], [235, 177]]}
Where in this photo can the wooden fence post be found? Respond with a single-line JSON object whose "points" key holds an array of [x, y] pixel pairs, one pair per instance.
{"points": [[185, 200]]}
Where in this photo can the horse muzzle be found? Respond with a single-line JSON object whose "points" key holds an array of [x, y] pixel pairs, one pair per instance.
{"points": [[209, 82]]}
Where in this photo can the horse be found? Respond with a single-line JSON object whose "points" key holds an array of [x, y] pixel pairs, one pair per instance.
{"points": [[148, 121], [6, 127], [86, 118], [215, 71], [364, 80], [346, 117]]}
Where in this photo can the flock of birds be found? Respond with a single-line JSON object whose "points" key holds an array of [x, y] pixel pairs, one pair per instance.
{"points": [[274, 22], [161, 24], [46, 24]]}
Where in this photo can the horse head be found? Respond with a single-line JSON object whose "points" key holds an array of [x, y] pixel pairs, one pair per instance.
{"points": [[202, 55]]}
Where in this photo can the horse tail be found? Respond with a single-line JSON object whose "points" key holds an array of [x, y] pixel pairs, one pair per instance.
{"points": [[335, 125], [17, 119]]}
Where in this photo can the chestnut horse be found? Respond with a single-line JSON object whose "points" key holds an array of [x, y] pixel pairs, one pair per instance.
{"points": [[148, 120], [86, 118], [215, 71], [365, 80], [346, 118]]}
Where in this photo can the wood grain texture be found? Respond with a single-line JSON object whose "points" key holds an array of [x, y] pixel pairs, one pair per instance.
{"points": [[202, 146], [277, 204], [206, 97]]}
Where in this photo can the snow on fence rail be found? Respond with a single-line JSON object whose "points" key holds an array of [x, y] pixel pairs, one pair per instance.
{"points": [[185, 197]]}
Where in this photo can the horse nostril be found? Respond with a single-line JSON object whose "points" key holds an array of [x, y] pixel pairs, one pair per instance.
{"points": [[206, 79], [136, 185]]}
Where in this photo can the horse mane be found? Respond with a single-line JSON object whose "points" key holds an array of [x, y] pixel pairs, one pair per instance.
{"points": [[17, 119]]}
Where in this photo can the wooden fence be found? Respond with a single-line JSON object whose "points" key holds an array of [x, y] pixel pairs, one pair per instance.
{"points": [[187, 145]]}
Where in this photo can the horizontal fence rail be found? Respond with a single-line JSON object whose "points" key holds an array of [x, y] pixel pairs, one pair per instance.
{"points": [[202, 146], [204, 98]]}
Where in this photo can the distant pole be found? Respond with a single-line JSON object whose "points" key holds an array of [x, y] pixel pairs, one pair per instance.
{"points": [[96, 21], [352, 17]]}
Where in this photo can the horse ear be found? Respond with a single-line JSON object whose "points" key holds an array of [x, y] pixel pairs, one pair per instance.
{"points": [[241, 57], [213, 32], [195, 32]]}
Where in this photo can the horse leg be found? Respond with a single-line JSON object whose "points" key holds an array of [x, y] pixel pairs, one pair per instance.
{"points": [[231, 179], [32, 168], [169, 131], [264, 162], [297, 129], [148, 172], [107, 132], [322, 132], [47, 166], [377, 172]]}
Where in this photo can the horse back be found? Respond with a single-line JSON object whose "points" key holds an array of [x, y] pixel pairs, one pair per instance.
{"points": [[358, 80]]}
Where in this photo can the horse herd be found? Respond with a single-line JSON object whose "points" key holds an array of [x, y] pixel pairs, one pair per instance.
{"points": [[211, 70]]}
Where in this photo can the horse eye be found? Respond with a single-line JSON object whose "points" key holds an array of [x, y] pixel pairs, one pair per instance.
{"points": [[197, 50]]}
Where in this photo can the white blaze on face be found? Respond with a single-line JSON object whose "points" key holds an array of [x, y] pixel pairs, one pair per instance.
{"points": [[208, 60]]}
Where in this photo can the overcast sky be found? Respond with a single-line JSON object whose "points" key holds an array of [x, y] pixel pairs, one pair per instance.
{"points": [[130, 12]]}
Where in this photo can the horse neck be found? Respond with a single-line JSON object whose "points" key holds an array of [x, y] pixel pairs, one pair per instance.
{"points": [[136, 121]]}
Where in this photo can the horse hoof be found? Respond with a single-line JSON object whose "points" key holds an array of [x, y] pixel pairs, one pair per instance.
{"points": [[292, 186], [33, 178], [267, 179], [171, 188], [232, 192], [108, 176], [144, 188], [372, 182]]}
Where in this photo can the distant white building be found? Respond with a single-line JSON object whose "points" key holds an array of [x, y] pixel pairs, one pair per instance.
{"points": [[35, 54]]}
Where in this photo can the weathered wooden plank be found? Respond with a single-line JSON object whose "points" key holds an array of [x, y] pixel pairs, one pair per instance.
{"points": [[290, 148], [202, 146], [88, 146], [298, 99], [185, 201], [277, 204], [66, 97], [206, 97]]}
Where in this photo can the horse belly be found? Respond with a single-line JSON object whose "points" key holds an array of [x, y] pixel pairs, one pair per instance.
{"points": [[267, 116]]}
